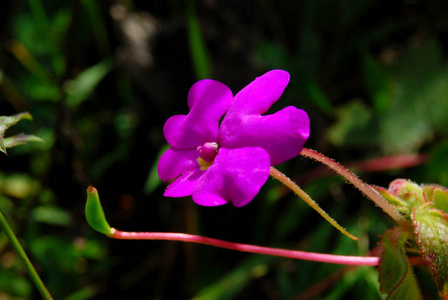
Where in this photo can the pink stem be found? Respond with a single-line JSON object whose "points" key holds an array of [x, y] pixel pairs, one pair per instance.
{"points": [[372, 165], [183, 237], [371, 193]]}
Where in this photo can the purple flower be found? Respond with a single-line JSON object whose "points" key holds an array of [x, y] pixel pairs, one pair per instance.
{"points": [[229, 161]]}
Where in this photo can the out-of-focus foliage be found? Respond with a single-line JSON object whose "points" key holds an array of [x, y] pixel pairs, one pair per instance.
{"points": [[15, 140], [100, 79], [409, 103]]}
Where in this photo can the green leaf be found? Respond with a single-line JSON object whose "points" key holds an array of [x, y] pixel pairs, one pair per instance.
{"points": [[410, 103], [95, 214], [431, 227], [408, 289], [394, 263], [80, 88], [395, 273], [20, 139], [6, 122]]}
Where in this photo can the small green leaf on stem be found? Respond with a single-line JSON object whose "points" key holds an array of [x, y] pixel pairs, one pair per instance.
{"points": [[395, 273], [407, 289], [394, 263], [95, 214]]}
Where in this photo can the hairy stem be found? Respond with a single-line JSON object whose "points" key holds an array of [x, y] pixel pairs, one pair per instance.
{"points": [[371, 193], [183, 237], [299, 192], [26, 261]]}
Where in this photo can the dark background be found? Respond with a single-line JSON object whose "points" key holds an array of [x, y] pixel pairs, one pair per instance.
{"points": [[100, 79]]}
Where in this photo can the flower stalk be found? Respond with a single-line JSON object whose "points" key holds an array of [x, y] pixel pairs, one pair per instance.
{"points": [[370, 192], [183, 237], [97, 220], [301, 193]]}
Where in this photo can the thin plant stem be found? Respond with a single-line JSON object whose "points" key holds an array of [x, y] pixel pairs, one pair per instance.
{"points": [[371, 193], [299, 192], [311, 256], [26, 261]]}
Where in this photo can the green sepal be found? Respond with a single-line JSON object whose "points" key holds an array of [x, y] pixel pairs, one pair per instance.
{"points": [[438, 195], [431, 227], [407, 191], [396, 202], [95, 214]]}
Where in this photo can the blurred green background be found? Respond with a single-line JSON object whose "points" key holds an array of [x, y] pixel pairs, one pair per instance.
{"points": [[100, 79]]}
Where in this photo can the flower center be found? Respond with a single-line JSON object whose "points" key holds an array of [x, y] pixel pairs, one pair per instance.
{"points": [[207, 153]]}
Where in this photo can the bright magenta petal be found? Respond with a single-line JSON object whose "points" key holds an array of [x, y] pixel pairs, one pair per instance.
{"points": [[208, 101], [236, 176], [184, 185], [282, 134], [175, 162], [258, 96]]}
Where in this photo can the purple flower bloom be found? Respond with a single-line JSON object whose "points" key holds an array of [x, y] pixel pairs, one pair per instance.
{"points": [[229, 162]]}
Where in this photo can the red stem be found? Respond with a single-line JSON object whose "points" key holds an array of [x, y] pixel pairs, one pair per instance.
{"points": [[183, 237], [371, 193]]}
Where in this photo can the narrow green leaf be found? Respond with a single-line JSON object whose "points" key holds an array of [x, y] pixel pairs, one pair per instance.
{"points": [[6, 122], [431, 227], [95, 214], [20, 139], [199, 53], [80, 88], [98, 26]]}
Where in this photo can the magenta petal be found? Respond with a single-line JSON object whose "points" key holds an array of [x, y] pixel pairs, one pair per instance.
{"points": [[258, 96], [282, 134], [208, 101], [175, 162], [235, 176], [184, 185]]}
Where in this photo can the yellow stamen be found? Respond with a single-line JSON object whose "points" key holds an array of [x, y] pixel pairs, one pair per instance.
{"points": [[204, 164]]}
